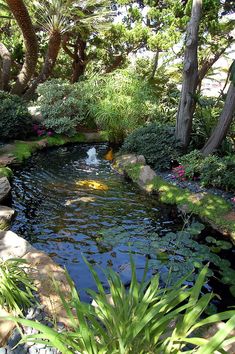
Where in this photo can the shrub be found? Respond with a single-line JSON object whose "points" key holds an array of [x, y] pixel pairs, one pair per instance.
{"points": [[15, 120], [15, 286], [124, 102], [62, 106], [138, 320], [213, 170], [156, 142]]}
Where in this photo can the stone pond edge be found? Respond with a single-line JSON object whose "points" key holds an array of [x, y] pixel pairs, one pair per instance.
{"points": [[212, 209]]}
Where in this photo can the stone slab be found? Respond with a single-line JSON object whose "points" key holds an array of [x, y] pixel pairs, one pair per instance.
{"points": [[6, 327], [5, 188], [13, 246], [45, 272]]}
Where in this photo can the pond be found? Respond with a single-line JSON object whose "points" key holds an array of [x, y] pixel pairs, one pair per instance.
{"points": [[69, 208]]}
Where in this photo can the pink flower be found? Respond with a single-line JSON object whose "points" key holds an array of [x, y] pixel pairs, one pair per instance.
{"points": [[233, 199]]}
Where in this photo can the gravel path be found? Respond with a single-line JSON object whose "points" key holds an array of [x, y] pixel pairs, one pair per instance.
{"points": [[36, 313]]}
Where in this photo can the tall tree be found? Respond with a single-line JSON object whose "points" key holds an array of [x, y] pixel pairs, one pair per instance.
{"points": [[6, 67], [225, 119], [190, 77], [23, 20]]}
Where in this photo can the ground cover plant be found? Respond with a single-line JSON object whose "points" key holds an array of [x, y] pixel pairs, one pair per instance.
{"points": [[138, 319]]}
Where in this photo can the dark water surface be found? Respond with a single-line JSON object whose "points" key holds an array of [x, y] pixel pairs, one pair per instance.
{"points": [[68, 208]]}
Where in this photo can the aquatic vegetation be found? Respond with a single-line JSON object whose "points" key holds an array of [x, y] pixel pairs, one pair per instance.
{"points": [[177, 253], [92, 184]]}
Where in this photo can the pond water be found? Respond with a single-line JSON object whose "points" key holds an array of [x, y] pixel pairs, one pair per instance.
{"points": [[69, 208]]}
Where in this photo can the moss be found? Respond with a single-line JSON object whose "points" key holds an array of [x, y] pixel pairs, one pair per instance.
{"points": [[207, 206], [23, 150], [133, 171], [6, 172], [4, 225]]}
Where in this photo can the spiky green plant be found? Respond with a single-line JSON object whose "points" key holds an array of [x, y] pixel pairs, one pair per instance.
{"points": [[143, 319], [15, 285]]}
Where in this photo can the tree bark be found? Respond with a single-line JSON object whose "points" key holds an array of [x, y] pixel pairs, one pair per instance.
{"points": [[49, 63], [155, 64], [78, 55], [23, 20], [190, 77], [6, 67], [225, 120]]}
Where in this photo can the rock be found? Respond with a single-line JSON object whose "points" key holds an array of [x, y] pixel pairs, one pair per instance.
{"points": [[13, 246], [6, 327], [36, 113], [4, 188], [146, 175], [45, 273], [6, 215], [141, 159]]}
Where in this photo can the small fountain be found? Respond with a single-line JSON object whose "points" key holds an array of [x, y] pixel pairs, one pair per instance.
{"points": [[92, 157]]}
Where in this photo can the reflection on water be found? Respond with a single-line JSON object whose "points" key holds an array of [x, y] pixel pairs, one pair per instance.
{"points": [[63, 205]]}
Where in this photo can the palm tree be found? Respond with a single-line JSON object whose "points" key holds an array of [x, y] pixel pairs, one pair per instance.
{"points": [[52, 19], [23, 20]]}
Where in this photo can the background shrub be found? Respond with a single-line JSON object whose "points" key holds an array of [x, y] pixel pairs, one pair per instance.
{"points": [[62, 106], [15, 120], [213, 170], [123, 102], [156, 142]]}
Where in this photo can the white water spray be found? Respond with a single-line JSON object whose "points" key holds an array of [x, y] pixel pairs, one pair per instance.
{"points": [[92, 157]]}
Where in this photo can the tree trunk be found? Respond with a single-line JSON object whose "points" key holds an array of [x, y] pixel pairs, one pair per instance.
{"points": [[50, 60], [155, 64], [80, 60], [190, 77], [6, 67], [78, 55], [23, 20], [225, 120]]}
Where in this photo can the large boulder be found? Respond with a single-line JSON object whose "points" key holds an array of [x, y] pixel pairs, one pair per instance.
{"points": [[5, 188], [146, 175], [13, 246]]}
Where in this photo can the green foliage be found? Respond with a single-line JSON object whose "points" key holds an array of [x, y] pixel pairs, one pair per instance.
{"points": [[177, 253], [213, 170], [205, 119], [117, 102], [62, 106], [15, 121], [15, 286], [124, 102], [6, 172], [156, 142], [139, 319]]}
